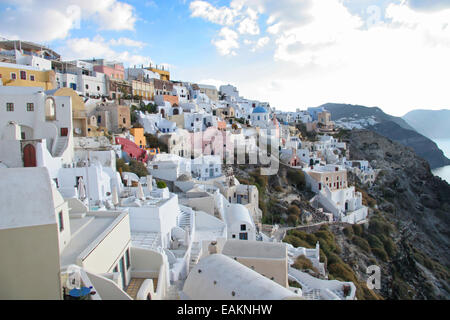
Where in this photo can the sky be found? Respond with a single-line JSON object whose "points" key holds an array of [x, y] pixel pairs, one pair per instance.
{"points": [[393, 54]]}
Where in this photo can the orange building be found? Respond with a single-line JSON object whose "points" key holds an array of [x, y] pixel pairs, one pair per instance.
{"points": [[139, 137]]}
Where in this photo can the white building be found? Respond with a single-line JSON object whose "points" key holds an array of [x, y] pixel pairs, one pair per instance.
{"points": [[58, 240], [169, 166], [218, 277], [35, 127], [333, 193], [260, 117], [140, 74], [81, 77], [239, 222], [229, 91], [207, 167], [181, 92]]}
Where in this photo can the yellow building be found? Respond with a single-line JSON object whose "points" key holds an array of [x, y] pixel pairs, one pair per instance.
{"points": [[83, 126], [145, 90], [165, 74], [26, 76], [139, 137]]}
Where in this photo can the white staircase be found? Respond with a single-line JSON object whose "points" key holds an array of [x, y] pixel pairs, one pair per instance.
{"points": [[172, 293], [314, 294], [184, 219], [60, 146], [195, 255]]}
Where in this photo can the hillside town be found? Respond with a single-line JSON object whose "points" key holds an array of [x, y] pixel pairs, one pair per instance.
{"points": [[120, 183]]}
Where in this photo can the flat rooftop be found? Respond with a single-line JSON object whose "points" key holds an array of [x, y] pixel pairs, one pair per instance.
{"points": [[255, 249], [85, 230], [146, 240]]}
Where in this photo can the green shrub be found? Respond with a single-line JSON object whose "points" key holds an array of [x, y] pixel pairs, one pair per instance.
{"points": [[379, 226], [303, 263], [326, 235], [296, 177], [390, 247], [299, 234], [296, 242], [161, 184], [358, 229], [341, 272], [120, 164], [380, 253], [293, 220], [311, 239], [362, 243], [294, 210], [334, 258], [138, 168], [348, 231], [375, 242], [278, 189]]}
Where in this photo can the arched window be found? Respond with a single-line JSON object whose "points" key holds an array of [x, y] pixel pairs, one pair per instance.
{"points": [[50, 109]]}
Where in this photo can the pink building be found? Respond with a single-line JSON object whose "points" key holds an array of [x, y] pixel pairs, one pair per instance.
{"points": [[114, 71]]}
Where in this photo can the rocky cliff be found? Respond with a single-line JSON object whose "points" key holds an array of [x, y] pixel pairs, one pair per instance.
{"points": [[394, 128], [415, 206], [407, 232]]}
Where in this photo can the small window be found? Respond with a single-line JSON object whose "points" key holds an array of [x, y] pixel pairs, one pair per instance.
{"points": [[61, 221], [87, 86], [23, 75], [30, 106], [31, 77], [233, 236], [13, 76], [243, 236], [127, 259], [98, 88], [9, 106], [243, 227]]}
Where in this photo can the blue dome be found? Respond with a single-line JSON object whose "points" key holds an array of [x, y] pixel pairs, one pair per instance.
{"points": [[259, 110]]}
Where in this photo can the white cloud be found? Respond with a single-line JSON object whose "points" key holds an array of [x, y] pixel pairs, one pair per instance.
{"points": [[46, 20], [222, 15], [227, 42], [248, 26], [97, 47], [127, 43], [325, 53], [262, 42]]}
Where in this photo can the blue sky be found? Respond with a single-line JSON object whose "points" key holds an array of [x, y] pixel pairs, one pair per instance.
{"points": [[292, 53]]}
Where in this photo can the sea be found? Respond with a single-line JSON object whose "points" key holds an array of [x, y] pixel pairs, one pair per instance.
{"points": [[443, 172]]}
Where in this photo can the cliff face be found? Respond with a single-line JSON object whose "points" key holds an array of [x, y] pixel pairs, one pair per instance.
{"points": [[394, 128], [407, 234], [417, 205], [424, 147]]}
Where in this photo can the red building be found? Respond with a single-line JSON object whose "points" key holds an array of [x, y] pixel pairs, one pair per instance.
{"points": [[132, 150]]}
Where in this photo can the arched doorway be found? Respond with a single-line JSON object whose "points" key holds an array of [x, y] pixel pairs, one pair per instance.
{"points": [[50, 109], [163, 113], [29, 156], [175, 111]]}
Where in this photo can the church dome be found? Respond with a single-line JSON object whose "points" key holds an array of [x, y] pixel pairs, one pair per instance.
{"points": [[259, 110]]}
